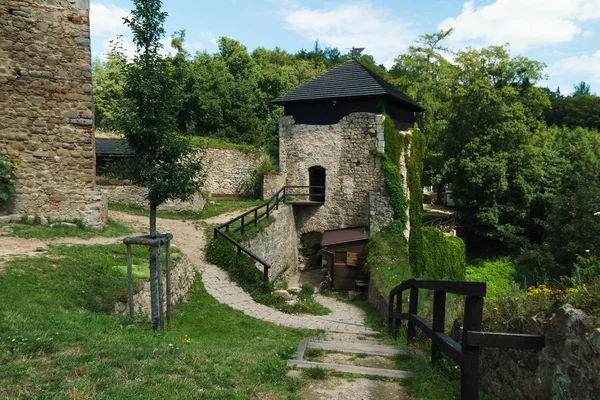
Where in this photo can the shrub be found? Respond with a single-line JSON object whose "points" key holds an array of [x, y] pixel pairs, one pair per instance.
{"points": [[442, 257], [498, 273], [7, 180], [387, 258]]}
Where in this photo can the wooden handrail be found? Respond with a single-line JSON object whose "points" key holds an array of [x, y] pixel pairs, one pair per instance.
{"points": [[257, 215], [473, 339]]}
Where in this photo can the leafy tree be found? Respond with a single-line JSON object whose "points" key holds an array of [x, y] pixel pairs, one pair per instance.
{"points": [[163, 162], [489, 147], [109, 77], [573, 111], [581, 89]]}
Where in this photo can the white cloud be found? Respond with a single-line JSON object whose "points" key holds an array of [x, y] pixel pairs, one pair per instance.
{"points": [[358, 24], [522, 23], [107, 20], [587, 64]]}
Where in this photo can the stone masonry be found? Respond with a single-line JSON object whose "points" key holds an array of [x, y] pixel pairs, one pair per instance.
{"points": [[355, 191], [136, 196], [46, 108], [226, 169]]}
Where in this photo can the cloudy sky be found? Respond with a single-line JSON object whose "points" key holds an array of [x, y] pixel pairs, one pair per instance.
{"points": [[565, 34]]}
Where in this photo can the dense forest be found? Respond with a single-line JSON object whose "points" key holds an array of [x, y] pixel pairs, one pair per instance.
{"points": [[523, 160]]}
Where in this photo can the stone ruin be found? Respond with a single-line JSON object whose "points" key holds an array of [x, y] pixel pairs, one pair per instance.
{"points": [[46, 108]]}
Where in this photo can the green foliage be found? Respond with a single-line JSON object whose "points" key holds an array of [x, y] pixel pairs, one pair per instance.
{"points": [[109, 79], [163, 162], [414, 170], [442, 257], [387, 258], [7, 180], [315, 373], [56, 320], [497, 273]]}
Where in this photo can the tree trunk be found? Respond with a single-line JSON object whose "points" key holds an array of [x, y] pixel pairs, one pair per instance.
{"points": [[154, 255]]}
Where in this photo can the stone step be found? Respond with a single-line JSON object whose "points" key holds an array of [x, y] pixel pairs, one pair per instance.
{"points": [[392, 373], [355, 347]]}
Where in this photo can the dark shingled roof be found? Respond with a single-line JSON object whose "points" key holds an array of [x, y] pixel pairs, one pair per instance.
{"points": [[112, 147], [348, 80], [344, 236]]}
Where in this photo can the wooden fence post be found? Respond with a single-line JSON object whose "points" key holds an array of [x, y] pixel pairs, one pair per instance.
{"points": [[168, 262], [130, 282], [413, 308], [469, 386], [439, 319], [242, 226], [161, 296]]}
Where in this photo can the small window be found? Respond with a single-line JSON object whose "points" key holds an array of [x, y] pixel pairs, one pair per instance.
{"points": [[340, 257]]}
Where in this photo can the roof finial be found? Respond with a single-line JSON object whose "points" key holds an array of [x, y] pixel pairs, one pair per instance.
{"points": [[355, 53]]}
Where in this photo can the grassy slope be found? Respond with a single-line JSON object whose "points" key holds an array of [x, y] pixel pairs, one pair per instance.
{"points": [[220, 207], [28, 231], [57, 340]]}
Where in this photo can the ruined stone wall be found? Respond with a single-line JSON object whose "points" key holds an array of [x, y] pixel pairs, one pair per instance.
{"points": [[183, 274], [227, 168], [347, 152], [271, 185], [46, 108], [277, 243], [136, 196], [567, 368]]}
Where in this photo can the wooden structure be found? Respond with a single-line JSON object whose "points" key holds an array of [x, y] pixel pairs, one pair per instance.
{"points": [[344, 252], [467, 354], [348, 88], [156, 282], [287, 195]]}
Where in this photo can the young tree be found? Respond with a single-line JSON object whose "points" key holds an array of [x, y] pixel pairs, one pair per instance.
{"points": [[163, 162]]}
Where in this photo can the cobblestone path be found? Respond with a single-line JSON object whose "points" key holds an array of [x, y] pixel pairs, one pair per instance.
{"points": [[190, 239]]}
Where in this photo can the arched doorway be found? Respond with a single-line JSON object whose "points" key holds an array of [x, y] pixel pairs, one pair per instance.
{"points": [[316, 177]]}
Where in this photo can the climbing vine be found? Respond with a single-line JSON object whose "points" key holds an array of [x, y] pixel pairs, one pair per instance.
{"points": [[415, 168]]}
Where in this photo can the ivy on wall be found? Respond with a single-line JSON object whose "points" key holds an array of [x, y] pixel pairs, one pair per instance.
{"points": [[415, 168], [442, 257]]}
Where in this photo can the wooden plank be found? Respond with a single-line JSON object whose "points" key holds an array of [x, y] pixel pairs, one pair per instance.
{"points": [[443, 341], [356, 347], [456, 287], [439, 318], [469, 378], [130, 282], [412, 309], [352, 369], [505, 340], [161, 296]]}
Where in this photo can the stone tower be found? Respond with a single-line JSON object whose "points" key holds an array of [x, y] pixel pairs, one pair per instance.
{"points": [[331, 132], [46, 108]]}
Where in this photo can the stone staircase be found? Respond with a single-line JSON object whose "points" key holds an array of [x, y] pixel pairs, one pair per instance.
{"points": [[361, 355]]}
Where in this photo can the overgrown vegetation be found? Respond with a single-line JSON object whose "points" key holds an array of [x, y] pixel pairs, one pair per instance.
{"points": [[243, 271], [54, 322], [498, 273], [7, 180], [442, 257], [414, 167], [387, 259], [32, 229]]}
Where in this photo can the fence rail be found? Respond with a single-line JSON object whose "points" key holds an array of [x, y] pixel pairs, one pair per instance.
{"points": [[253, 216], [467, 354]]}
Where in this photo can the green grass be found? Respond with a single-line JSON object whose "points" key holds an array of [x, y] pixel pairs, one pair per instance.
{"points": [[498, 273], [315, 373], [44, 232], [57, 339], [211, 210]]}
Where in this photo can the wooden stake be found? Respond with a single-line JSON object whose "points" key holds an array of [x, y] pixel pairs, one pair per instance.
{"points": [[161, 297], [130, 282], [168, 250]]}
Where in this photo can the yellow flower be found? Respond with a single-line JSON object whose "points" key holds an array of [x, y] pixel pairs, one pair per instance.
{"points": [[496, 309], [515, 298]]}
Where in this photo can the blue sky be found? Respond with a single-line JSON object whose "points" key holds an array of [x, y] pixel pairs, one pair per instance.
{"points": [[565, 34]]}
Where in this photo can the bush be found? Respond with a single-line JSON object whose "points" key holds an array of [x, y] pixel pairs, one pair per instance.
{"points": [[498, 273], [443, 257], [7, 180], [387, 258]]}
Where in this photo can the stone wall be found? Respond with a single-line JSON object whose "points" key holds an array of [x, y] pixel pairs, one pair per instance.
{"points": [[378, 300], [136, 196], [567, 368], [271, 185], [46, 108], [346, 151], [277, 243], [381, 213], [226, 169], [182, 278]]}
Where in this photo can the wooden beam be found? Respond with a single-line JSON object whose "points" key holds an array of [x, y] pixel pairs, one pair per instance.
{"points": [[505, 340]]}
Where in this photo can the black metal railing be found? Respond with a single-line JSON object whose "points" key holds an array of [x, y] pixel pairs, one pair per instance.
{"points": [[467, 354], [253, 217]]}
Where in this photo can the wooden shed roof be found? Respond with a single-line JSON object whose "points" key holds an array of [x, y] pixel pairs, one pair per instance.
{"points": [[348, 80], [346, 235]]}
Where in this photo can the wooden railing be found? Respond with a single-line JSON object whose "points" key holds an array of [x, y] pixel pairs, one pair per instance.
{"points": [[467, 355], [253, 216]]}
